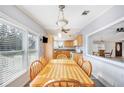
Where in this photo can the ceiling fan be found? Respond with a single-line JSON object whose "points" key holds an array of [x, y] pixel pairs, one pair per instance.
{"points": [[65, 30], [62, 29]]}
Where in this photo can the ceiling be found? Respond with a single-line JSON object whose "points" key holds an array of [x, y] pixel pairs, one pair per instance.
{"points": [[46, 16], [110, 34]]}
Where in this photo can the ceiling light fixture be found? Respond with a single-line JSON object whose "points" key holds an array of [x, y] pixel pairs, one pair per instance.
{"points": [[61, 22], [59, 35]]}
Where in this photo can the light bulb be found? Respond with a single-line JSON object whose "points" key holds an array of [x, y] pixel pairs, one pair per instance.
{"points": [[59, 35]]}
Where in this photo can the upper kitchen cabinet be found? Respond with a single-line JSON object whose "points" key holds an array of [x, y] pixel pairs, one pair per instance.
{"points": [[68, 43], [75, 42], [78, 40]]}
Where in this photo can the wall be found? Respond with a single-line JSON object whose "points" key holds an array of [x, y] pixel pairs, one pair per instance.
{"points": [[111, 73], [107, 71], [14, 15], [49, 47]]}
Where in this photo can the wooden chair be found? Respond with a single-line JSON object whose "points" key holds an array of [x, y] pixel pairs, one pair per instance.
{"points": [[46, 59], [108, 54], [61, 56], [63, 83], [35, 68], [80, 62], [87, 67], [77, 57], [43, 60]]}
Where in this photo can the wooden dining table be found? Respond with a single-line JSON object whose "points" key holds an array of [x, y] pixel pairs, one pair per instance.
{"points": [[59, 69]]}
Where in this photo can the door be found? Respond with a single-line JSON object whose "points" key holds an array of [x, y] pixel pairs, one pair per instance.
{"points": [[118, 49]]}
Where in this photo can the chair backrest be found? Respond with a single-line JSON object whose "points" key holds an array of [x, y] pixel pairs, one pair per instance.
{"points": [[87, 67], [35, 68], [61, 56], [43, 60], [111, 52], [80, 61], [77, 57], [63, 83]]}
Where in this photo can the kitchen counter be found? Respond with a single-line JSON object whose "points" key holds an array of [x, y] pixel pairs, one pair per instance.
{"points": [[76, 52], [65, 49], [62, 51], [70, 52]]}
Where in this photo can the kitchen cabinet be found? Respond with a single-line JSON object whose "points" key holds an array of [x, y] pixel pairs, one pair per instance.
{"points": [[75, 43], [78, 41], [65, 52], [68, 43]]}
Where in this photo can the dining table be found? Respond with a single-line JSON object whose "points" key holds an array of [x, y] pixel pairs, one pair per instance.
{"points": [[59, 69]]}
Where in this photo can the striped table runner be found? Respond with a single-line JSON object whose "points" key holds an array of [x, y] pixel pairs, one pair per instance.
{"points": [[59, 69]]}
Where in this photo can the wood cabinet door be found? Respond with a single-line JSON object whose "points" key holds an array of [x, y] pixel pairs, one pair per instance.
{"points": [[75, 43], [78, 40], [68, 43]]}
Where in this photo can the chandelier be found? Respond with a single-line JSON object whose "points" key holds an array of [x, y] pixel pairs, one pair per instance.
{"points": [[61, 22]]}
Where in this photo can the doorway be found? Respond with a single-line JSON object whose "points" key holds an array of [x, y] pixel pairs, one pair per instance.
{"points": [[118, 49]]}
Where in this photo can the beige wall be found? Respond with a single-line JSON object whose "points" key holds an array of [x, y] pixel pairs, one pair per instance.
{"points": [[49, 47]]}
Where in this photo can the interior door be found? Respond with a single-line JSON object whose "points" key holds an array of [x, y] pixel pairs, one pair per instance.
{"points": [[118, 49]]}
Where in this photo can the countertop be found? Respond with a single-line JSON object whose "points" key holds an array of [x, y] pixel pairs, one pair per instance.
{"points": [[114, 61], [76, 52], [65, 49]]}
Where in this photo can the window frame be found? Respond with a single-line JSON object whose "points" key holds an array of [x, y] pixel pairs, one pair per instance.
{"points": [[37, 48], [9, 21]]}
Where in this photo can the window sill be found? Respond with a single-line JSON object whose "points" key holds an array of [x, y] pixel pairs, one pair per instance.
{"points": [[109, 61]]}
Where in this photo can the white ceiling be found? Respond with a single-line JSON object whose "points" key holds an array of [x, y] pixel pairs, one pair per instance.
{"points": [[110, 33], [46, 16]]}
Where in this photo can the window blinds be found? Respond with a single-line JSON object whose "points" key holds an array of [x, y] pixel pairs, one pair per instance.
{"points": [[11, 54]]}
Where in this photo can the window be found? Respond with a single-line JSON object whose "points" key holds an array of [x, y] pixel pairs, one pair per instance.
{"points": [[58, 44], [16, 47], [32, 47], [11, 51]]}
